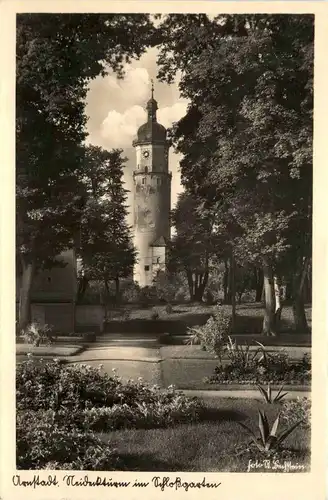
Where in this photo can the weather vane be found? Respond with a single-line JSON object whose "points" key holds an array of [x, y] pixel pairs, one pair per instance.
{"points": [[152, 88]]}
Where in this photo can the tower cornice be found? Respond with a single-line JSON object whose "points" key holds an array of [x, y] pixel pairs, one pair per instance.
{"points": [[148, 142]]}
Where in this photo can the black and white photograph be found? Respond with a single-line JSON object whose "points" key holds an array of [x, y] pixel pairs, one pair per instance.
{"points": [[164, 244]]}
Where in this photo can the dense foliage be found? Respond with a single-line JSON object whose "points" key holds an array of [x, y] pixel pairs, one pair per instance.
{"points": [[249, 368], [194, 245], [295, 410], [57, 56], [66, 405], [105, 244], [44, 443], [246, 139], [214, 335]]}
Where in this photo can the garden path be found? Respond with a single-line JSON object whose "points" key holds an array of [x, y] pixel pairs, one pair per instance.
{"points": [[141, 355]]}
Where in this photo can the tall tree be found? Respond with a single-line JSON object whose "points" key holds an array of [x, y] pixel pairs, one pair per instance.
{"points": [[57, 56], [106, 247], [193, 246], [247, 134]]}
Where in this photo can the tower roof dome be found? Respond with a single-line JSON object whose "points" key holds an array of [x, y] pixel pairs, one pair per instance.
{"points": [[151, 131]]}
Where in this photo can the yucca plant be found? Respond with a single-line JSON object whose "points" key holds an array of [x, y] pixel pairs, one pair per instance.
{"points": [[241, 356], [37, 334], [268, 396], [269, 441]]}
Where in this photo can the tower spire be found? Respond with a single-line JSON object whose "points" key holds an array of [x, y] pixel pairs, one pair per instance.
{"points": [[152, 88], [152, 105]]}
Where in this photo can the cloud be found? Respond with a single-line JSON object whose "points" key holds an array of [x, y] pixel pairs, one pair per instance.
{"points": [[116, 111], [167, 116], [134, 88], [119, 129]]}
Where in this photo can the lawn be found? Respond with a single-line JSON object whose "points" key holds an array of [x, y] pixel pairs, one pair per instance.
{"points": [[248, 320], [80, 418], [207, 446]]}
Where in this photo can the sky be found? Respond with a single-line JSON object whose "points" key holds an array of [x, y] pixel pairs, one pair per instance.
{"points": [[116, 109]]}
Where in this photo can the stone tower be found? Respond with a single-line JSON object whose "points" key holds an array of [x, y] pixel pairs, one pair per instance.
{"points": [[152, 197]]}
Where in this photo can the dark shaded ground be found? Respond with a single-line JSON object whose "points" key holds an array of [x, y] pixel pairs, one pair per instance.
{"points": [[207, 446], [249, 319]]}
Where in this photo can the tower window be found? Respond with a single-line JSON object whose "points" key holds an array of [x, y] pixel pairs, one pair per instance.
{"points": [[158, 181], [143, 181], [146, 268], [146, 170]]}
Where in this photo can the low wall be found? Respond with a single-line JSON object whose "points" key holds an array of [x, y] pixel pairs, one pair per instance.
{"points": [[59, 315], [89, 315]]}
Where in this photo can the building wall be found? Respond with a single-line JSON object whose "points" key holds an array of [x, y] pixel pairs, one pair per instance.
{"points": [[57, 284], [53, 295]]}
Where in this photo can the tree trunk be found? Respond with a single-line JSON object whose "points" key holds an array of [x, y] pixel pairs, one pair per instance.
{"points": [[117, 289], [233, 290], [278, 301], [226, 282], [289, 292], [259, 285], [300, 322], [196, 288], [200, 285], [203, 284], [307, 289], [104, 303], [107, 290], [28, 270], [82, 288], [269, 306], [190, 284]]}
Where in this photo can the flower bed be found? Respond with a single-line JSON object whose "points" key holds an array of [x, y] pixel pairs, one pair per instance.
{"points": [[42, 442], [59, 409], [291, 374]]}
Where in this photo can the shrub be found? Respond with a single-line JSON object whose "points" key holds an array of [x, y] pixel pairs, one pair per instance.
{"points": [[88, 393], [145, 297], [60, 407], [209, 297], [168, 309], [154, 315], [182, 295], [213, 336], [295, 410], [38, 334], [130, 292], [275, 361], [49, 385], [306, 361], [143, 415], [44, 443], [165, 286]]}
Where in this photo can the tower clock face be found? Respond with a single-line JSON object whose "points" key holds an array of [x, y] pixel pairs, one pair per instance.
{"points": [[145, 154]]}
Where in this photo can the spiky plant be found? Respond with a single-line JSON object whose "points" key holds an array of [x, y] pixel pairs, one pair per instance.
{"points": [[269, 441], [268, 396]]}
